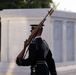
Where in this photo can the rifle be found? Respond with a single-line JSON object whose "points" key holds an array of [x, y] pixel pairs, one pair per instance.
{"points": [[27, 42]]}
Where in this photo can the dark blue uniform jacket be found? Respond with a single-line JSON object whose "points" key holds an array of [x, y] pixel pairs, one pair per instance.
{"points": [[39, 51]]}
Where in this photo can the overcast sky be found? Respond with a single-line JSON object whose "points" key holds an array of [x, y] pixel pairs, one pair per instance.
{"points": [[66, 5]]}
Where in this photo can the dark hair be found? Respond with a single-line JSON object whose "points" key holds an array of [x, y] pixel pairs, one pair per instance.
{"points": [[40, 30], [33, 26]]}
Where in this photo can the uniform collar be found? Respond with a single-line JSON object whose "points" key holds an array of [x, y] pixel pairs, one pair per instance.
{"points": [[37, 37]]}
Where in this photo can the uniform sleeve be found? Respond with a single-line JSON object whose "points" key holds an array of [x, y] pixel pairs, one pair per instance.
{"points": [[31, 59], [51, 64]]}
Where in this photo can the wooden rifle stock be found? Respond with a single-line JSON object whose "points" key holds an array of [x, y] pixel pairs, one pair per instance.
{"points": [[27, 42]]}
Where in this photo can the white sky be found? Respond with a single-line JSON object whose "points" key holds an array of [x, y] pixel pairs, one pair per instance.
{"points": [[66, 5]]}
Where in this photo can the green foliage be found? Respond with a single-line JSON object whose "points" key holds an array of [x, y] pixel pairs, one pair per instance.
{"points": [[12, 4], [38, 3]]}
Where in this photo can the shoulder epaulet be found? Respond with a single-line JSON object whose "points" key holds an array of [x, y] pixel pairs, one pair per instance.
{"points": [[33, 42]]}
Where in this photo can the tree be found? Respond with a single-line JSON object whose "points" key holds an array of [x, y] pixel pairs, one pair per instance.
{"points": [[38, 3], [12, 4]]}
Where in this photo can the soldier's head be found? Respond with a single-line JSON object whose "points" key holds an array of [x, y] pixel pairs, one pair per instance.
{"points": [[33, 27]]}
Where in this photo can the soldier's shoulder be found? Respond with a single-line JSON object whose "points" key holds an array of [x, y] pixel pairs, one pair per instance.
{"points": [[33, 42]]}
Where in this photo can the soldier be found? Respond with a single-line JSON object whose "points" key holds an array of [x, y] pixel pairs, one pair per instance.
{"points": [[40, 57]]}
